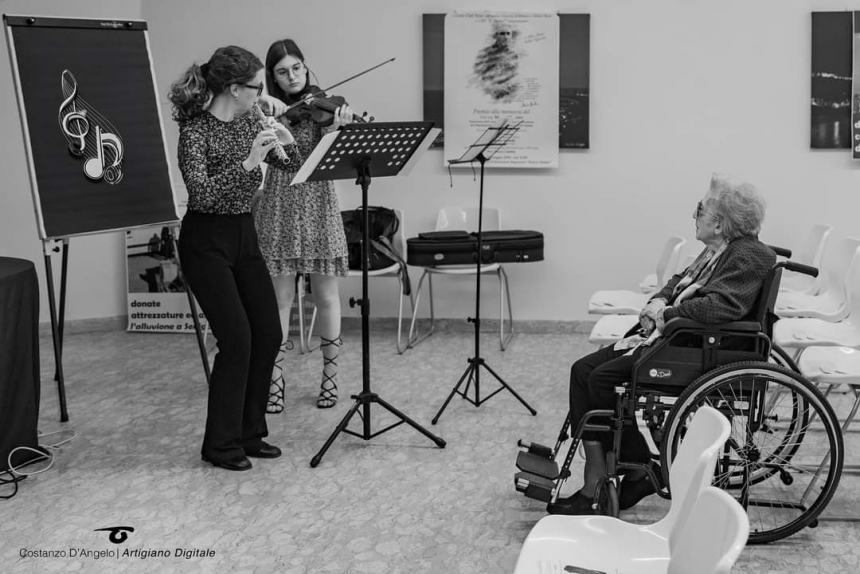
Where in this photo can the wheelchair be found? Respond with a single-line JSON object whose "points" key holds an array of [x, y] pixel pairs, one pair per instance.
{"points": [[785, 454]]}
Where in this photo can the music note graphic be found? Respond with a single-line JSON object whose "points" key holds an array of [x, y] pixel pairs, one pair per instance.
{"points": [[74, 122], [89, 134]]}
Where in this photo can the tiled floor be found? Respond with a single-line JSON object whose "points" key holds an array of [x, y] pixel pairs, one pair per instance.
{"points": [[394, 504]]}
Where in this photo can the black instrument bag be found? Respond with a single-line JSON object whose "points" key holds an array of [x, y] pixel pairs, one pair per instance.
{"points": [[460, 247]]}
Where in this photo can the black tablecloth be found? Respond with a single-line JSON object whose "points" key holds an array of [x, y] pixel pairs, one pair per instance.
{"points": [[19, 357]]}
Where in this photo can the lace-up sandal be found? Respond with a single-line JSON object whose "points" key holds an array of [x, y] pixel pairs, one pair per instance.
{"points": [[328, 387], [275, 403]]}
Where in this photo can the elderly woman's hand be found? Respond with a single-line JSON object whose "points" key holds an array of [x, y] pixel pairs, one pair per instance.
{"points": [[653, 308]]}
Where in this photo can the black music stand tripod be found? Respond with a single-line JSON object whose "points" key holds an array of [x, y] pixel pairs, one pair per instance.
{"points": [[487, 144], [357, 150]]}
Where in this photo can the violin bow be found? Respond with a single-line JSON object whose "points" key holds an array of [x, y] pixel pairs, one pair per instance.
{"points": [[354, 76]]}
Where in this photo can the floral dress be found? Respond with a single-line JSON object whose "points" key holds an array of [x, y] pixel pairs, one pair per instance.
{"points": [[300, 228]]}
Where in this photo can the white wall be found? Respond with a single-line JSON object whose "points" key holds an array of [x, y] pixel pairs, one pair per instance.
{"points": [[679, 89]]}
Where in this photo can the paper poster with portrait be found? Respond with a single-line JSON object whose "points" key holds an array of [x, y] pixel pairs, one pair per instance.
{"points": [[503, 67]]}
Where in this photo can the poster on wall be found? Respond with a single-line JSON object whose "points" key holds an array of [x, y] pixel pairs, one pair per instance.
{"points": [[573, 89], [503, 67], [157, 301], [830, 104]]}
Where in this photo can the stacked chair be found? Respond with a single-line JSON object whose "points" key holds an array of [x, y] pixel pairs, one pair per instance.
{"points": [[831, 302], [620, 309], [827, 350]]}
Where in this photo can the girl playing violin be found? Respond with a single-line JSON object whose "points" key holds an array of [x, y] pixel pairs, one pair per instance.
{"points": [[300, 226], [221, 147]]}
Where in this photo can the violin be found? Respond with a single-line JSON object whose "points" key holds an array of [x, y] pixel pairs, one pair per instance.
{"points": [[319, 108]]}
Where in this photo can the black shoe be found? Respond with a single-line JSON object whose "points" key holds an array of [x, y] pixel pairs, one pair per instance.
{"points": [[576, 505], [234, 463], [265, 451], [632, 491]]}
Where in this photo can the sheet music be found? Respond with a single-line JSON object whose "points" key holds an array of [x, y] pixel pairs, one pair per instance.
{"points": [[491, 141]]}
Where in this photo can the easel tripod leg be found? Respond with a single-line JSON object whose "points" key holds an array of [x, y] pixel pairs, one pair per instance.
{"points": [[198, 331], [55, 333]]}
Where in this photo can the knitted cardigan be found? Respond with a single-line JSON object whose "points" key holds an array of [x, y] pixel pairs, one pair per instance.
{"points": [[733, 288]]}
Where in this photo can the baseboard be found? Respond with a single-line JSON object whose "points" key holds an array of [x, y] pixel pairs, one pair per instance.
{"points": [[99, 325], [353, 324], [460, 325]]}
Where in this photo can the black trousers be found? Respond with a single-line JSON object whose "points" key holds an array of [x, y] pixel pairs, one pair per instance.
{"points": [[593, 379], [223, 267]]}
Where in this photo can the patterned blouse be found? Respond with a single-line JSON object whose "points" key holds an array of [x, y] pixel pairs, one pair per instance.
{"points": [[211, 152]]}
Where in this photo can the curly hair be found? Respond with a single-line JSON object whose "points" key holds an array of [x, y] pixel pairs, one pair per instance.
{"points": [[199, 84], [739, 205]]}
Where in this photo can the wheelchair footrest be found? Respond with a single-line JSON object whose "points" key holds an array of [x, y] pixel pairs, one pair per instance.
{"points": [[534, 486], [537, 465]]}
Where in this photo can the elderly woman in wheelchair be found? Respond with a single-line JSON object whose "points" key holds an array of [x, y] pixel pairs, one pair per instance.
{"points": [[704, 338], [721, 285]]}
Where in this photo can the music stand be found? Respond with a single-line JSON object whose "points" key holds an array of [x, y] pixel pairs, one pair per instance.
{"points": [[357, 150], [487, 144]]}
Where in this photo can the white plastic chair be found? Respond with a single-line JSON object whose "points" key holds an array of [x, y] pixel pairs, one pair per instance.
{"points": [[831, 367], [667, 265], [608, 544], [625, 302], [610, 328], [832, 303], [395, 270], [811, 253], [798, 333], [713, 537], [459, 218]]}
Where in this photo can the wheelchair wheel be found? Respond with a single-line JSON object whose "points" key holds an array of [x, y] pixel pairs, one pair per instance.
{"points": [[607, 497], [784, 456], [779, 356]]}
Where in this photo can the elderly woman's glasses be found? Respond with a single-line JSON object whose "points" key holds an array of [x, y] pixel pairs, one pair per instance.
{"points": [[259, 88], [700, 209]]}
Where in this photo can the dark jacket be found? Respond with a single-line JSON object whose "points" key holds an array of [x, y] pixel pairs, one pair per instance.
{"points": [[733, 289]]}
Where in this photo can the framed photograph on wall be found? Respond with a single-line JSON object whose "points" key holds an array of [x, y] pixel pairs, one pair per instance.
{"points": [[574, 30], [830, 103]]}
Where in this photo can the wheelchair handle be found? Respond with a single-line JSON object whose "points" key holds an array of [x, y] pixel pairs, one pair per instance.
{"points": [[800, 268], [781, 251]]}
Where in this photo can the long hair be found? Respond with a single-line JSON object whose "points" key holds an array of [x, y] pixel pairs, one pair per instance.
{"points": [[276, 53], [199, 84]]}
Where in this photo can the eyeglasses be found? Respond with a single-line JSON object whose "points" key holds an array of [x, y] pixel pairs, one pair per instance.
{"points": [[700, 209], [259, 88], [293, 70]]}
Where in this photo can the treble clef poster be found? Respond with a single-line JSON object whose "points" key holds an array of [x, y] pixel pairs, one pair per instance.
{"points": [[91, 124], [503, 67]]}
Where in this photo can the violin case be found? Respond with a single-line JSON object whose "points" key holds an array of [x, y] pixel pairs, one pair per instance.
{"points": [[460, 247]]}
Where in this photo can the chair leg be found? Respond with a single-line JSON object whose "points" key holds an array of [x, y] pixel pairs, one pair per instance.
{"points": [[506, 295], [414, 338], [401, 348]]}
